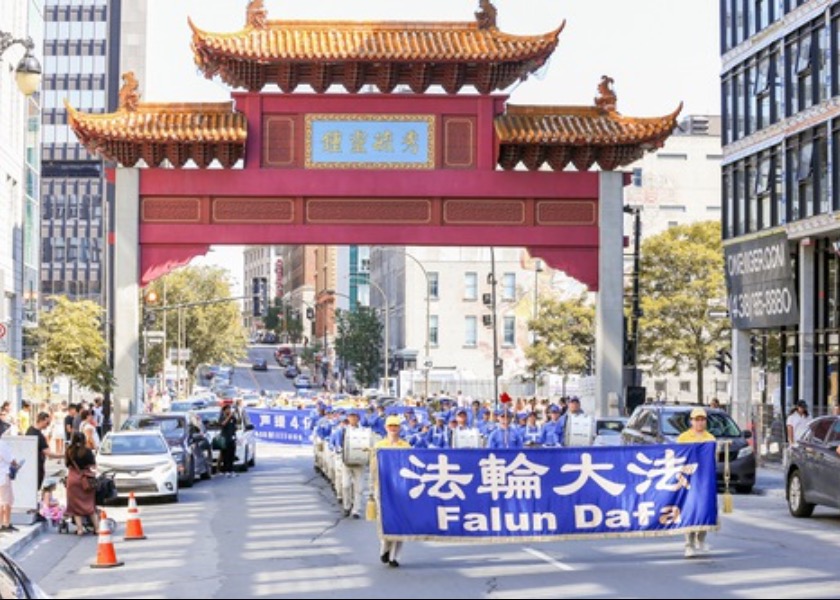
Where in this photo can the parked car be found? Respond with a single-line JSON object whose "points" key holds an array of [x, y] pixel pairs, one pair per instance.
{"points": [[141, 462], [246, 439], [187, 437], [303, 381], [259, 364], [14, 583], [813, 472], [663, 423], [291, 372], [607, 431]]}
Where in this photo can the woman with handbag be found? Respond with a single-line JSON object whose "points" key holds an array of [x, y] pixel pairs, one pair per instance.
{"points": [[81, 483]]}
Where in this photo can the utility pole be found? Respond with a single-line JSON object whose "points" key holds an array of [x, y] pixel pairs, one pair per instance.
{"points": [[497, 367], [636, 310]]}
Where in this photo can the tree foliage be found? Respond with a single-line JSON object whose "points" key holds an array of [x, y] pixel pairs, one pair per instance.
{"points": [[285, 320], [70, 342], [359, 343], [564, 332], [681, 277], [213, 332]]}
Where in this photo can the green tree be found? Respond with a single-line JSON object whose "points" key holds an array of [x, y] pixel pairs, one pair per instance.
{"points": [[681, 276], [213, 332], [359, 343], [564, 332], [70, 342]]}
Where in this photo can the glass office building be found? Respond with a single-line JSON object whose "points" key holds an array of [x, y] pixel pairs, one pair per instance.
{"points": [[781, 174], [81, 51]]}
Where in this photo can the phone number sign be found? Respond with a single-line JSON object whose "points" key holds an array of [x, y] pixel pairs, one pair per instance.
{"points": [[760, 283]]}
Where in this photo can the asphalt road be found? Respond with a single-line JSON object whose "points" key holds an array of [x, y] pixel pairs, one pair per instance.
{"points": [[272, 380], [277, 532]]}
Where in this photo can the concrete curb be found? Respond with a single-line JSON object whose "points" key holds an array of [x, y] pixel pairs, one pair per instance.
{"points": [[27, 534]]}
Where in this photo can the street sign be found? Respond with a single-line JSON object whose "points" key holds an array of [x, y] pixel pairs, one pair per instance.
{"points": [[182, 356], [4, 344], [427, 362]]}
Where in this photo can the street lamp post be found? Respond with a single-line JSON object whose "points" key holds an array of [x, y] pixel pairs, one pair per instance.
{"points": [[538, 268], [636, 310], [427, 358], [386, 388], [496, 369], [28, 70]]}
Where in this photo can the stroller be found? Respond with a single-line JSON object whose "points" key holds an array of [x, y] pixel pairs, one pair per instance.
{"points": [[106, 491]]}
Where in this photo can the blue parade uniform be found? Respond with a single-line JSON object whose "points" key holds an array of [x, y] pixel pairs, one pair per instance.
{"points": [[504, 438]]}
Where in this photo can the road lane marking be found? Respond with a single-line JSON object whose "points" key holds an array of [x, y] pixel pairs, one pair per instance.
{"points": [[553, 562]]}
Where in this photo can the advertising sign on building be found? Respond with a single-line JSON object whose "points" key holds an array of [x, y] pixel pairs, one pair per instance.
{"points": [[760, 283]]}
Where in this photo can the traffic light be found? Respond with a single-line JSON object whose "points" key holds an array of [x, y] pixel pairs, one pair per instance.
{"points": [[259, 296], [590, 361], [755, 350], [310, 313], [722, 360]]}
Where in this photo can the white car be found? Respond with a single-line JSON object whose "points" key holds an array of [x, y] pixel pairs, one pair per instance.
{"points": [[246, 440], [141, 463]]}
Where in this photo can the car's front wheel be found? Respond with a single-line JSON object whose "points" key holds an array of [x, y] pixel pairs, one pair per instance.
{"points": [[189, 480], [796, 496]]}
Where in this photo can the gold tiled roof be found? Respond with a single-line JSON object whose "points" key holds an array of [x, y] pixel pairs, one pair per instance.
{"points": [[579, 126], [385, 54], [174, 130], [578, 134], [315, 41]]}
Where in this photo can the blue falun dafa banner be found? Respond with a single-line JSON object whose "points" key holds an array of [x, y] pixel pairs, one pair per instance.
{"points": [[542, 494], [286, 426]]}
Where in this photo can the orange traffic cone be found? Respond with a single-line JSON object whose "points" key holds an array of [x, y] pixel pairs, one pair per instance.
{"points": [[106, 556], [133, 526]]}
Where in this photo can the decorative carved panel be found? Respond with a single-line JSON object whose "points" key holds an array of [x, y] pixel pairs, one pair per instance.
{"points": [[253, 210], [483, 212], [278, 141], [459, 143], [370, 211], [170, 210], [567, 212]]}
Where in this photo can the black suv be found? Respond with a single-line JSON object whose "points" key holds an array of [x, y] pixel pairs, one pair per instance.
{"points": [[187, 438], [663, 423]]}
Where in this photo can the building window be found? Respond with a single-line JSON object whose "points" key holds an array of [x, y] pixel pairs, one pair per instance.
{"points": [[434, 279], [470, 332], [509, 287], [637, 177], [470, 286], [433, 330], [685, 386], [509, 335]]}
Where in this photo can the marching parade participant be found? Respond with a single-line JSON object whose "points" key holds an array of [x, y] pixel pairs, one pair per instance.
{"points": [[504, 436], [389, 551], [355, 442]]}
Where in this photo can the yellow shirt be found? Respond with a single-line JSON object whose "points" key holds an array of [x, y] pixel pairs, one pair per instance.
{"points": [[386, 443], [689, 436], [23, 421]]}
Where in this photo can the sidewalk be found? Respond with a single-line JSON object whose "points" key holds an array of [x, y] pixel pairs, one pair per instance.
{"points": [[12, 542]]}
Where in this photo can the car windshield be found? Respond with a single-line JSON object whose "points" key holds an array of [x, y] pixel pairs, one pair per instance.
{"points": [[719, 424], [133, 444], [210, 418], [173, 428]]}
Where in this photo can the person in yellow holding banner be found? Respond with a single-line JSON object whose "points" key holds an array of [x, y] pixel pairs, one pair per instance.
{"points": [[695, 541], [388, 551]]}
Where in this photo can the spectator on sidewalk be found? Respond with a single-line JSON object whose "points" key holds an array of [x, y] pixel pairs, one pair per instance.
{"points": [[797, 422], [42, 422], [81, 495], [7, 498]]}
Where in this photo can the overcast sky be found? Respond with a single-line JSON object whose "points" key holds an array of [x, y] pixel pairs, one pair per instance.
{"points": [[659, 52]]}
